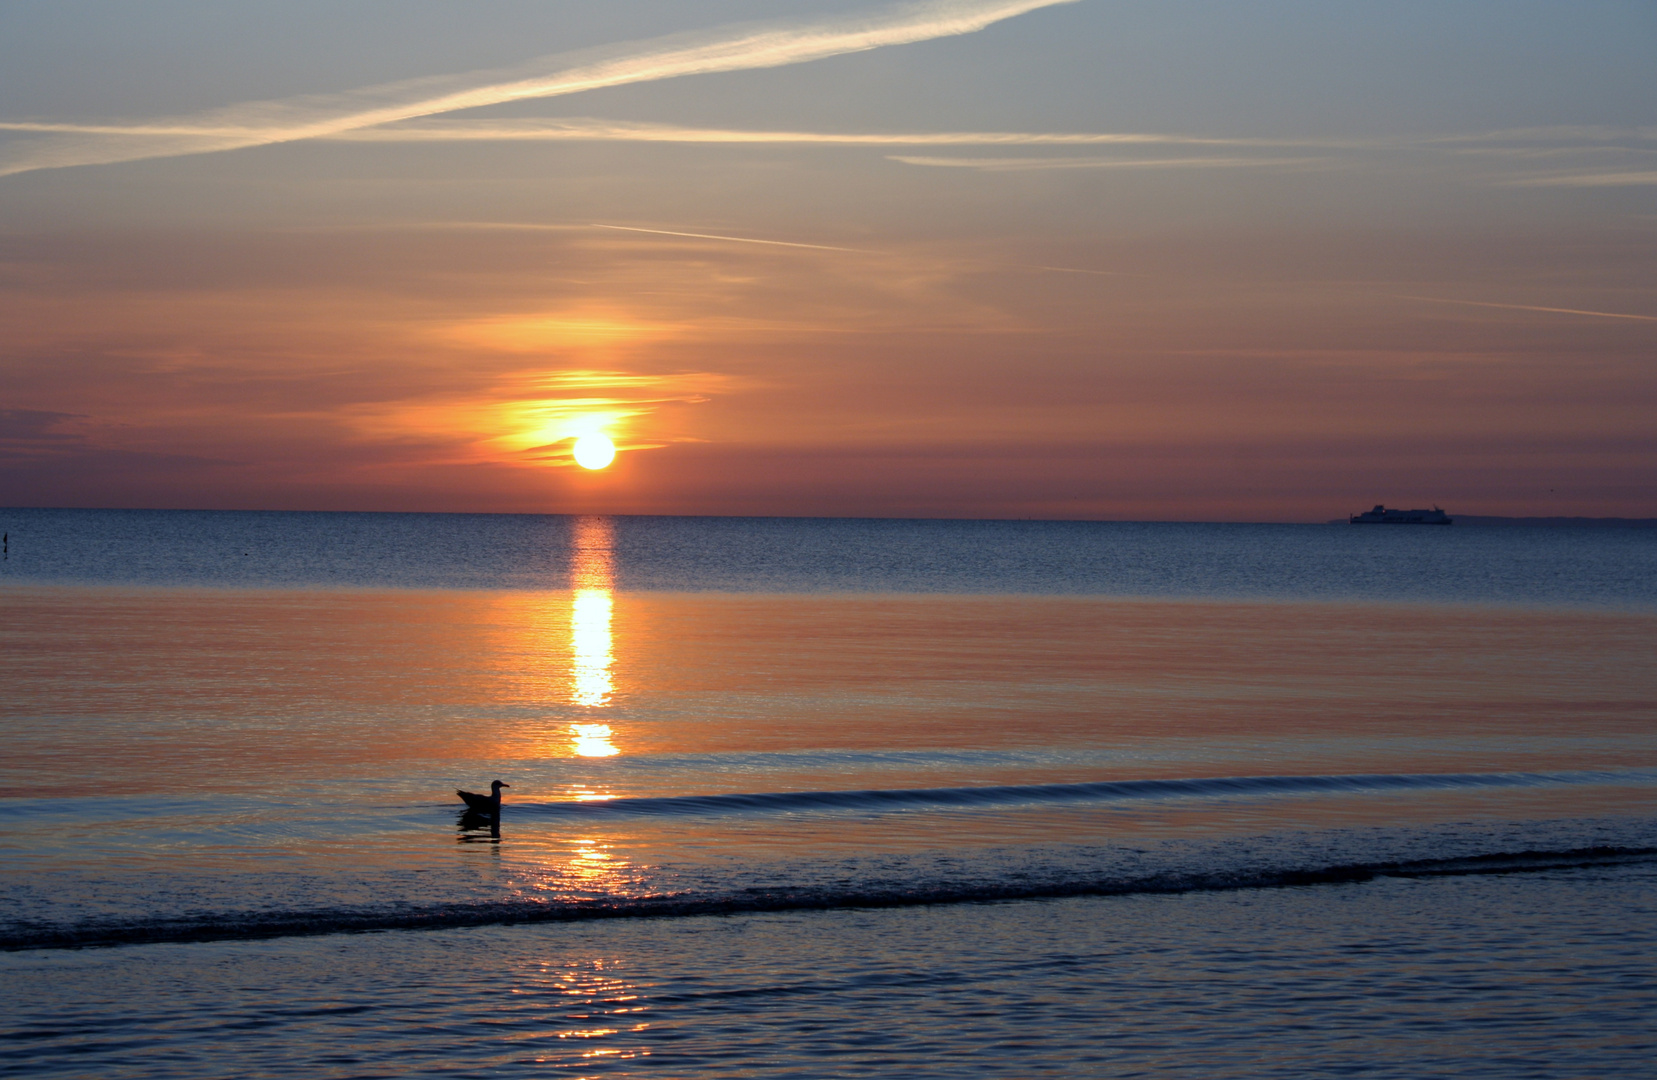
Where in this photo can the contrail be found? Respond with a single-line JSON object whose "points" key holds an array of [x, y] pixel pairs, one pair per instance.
{"points": [[1016, 164], [1525, 307], [1079, 270], [738, 48], [537, 227], [733, 239], [588, 129], [854, 251], [1599, 179]]}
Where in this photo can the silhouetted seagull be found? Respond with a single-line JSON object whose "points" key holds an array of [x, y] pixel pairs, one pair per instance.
{"points": [[484, 804]]}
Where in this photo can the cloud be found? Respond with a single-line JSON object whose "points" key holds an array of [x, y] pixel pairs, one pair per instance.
{"points": [[30, 432], [1571, 133], [1526, 307], [531, 419], [1501, 147], [589, 129], [728, 49], [40, 450], [1598, 179], [732, 239], [1019, 164]]}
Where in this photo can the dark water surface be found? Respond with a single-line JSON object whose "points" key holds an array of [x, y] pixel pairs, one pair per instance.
{"points": [[1565, 565], [1407, 978], [803, 798]]}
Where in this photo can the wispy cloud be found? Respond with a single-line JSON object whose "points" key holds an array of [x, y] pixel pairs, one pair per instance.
{"points": [[1647, 178], [1525, 307], [1540, 153], [728, 49], [1018, 164], [1080, 270], [590, 129], [732, 239], [1522, 142], [726, 238], [532, 419], [1569, 133]]}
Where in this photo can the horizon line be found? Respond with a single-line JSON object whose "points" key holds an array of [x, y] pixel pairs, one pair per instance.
{"points": [[1652, 521]]}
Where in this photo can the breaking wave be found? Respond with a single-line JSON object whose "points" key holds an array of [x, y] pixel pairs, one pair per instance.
{"points": [[243, 926], [950, 877]]}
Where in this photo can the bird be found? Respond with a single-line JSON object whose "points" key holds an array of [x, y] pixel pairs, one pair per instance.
{"points": [[484, 804]]}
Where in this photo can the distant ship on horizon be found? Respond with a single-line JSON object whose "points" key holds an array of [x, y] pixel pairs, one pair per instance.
{"points": [[1382, 516]]}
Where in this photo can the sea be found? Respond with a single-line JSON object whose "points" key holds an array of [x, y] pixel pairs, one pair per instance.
{"points": [[800, 797]]}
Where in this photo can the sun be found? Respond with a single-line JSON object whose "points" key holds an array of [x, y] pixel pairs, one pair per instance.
{"points": [[594, 451]]}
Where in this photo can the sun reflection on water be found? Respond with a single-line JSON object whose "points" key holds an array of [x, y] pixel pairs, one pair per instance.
{"points": [[597, 1002], [592, 740], [593, 869], [592, 577]]}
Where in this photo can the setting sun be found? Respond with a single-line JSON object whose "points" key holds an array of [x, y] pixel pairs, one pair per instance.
{"points": [[594, 451]]}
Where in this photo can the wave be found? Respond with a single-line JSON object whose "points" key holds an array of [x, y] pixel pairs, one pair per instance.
{"points": [[245, 926], [1100, 791]]}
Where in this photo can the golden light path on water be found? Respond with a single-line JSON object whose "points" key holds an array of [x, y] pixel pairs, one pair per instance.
{"points": [[592, 654], [592, 578], [593, 740]]}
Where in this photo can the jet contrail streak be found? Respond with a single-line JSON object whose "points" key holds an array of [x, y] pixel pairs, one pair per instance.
{"points": [[1599, 179], [1031, 164], [730, 49], [1078, 270], [587, 129], [733, 239], [1525, 307]]}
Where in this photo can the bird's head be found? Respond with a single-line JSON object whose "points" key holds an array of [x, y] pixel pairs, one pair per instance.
{"points": [[497, 785]]}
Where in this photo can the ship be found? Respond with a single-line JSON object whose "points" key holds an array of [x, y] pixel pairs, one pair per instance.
{"points": [[1382, 516]]}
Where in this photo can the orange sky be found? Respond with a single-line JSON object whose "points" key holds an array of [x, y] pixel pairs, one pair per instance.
{"points": [[1387, 289]]}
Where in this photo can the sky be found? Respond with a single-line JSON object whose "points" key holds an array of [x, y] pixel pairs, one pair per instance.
{"points": [[1085, 259]]}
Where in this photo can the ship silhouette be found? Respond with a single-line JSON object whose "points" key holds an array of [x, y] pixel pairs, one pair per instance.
{"points": [[1382, 516]]}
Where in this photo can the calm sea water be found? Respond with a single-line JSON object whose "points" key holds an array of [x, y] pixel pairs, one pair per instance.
{"points": [[804, 798], [1569, 566]]}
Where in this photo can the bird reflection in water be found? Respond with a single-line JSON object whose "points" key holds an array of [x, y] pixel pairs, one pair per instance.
{"points": [[482, 812], [477, 827]]}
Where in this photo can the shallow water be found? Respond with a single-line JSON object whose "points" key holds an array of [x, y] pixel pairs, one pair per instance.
{"points": [[1380, 817], [1497, 976]]}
